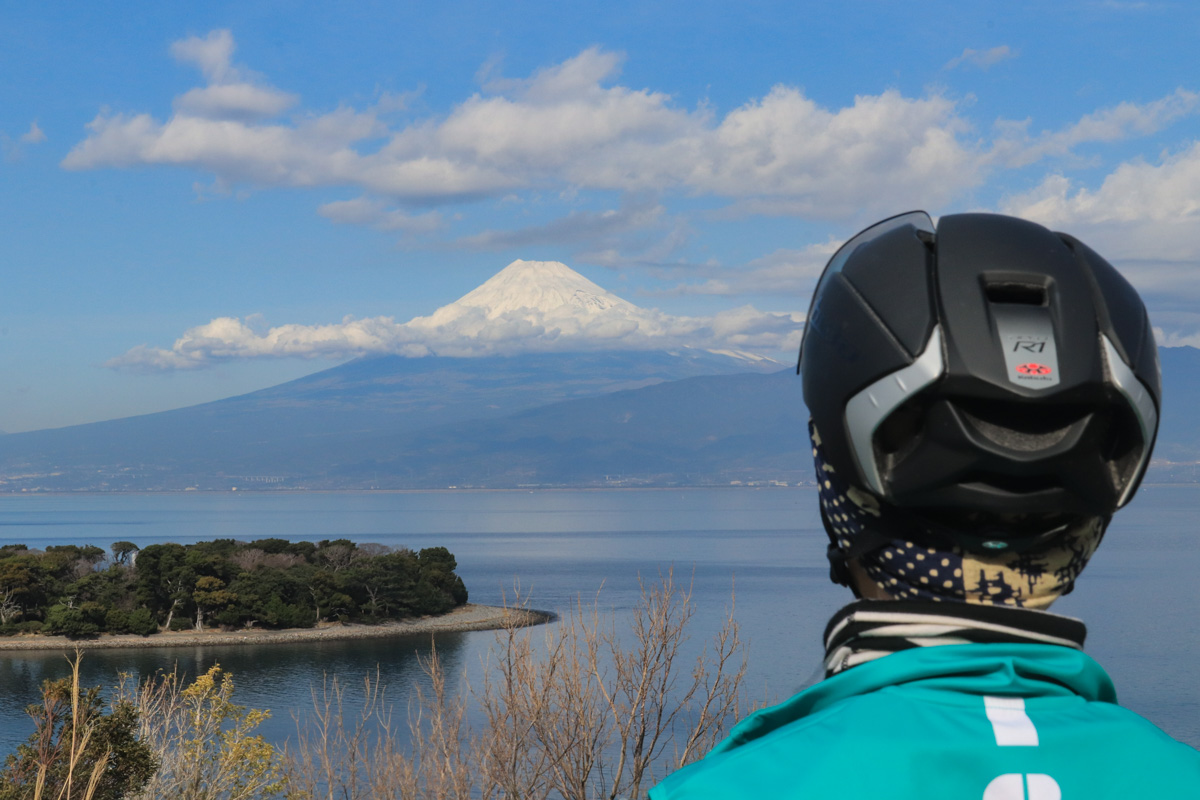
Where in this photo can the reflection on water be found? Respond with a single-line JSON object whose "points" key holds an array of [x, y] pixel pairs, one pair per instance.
{"points": [[280, 677], [1137, 596]]}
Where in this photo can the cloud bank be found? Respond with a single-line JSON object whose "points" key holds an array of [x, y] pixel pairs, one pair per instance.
{"points": [[567, 125], [574, 127], [528, 307], [743, 329], [1145, 216]]}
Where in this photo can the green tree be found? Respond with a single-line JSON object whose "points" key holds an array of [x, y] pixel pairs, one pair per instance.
{"points": [[273, 598], [123, 553], [386, 585], [74, 622], [439, 589], [328, 596], [272, 546], [18, 587], [164, 581], [211, 597], [76, 745]]}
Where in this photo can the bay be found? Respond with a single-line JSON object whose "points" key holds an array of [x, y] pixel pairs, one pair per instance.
{"points": [[764, 547]]}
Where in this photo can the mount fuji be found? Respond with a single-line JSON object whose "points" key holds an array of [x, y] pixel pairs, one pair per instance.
{"points": [[546, 306], [538, 377], [535, 336], [528, 307], [540, 292]]}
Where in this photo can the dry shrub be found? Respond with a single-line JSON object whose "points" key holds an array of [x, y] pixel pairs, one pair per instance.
{"points": [[571, 711], [594, 714], [587, 714], [340, 753]]}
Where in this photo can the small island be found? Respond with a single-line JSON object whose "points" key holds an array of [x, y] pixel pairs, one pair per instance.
{"points": [[228, 592]]}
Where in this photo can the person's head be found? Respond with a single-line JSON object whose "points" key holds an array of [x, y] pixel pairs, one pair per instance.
{"points": [[984, 394]]}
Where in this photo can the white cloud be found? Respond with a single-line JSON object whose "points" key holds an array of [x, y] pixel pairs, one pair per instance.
{"points": [[213, 54], [565, 126], [376, 214], [34, 135], [494, 319], [238, 101], [1176, 338], [228, 338], [469, 335], [1141, 212], [1123, 121], [14, 150], [882, 151], [572, 128], [983, 59]]}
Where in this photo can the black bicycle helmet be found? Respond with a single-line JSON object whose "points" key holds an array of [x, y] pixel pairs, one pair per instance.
{"points": [[989, 376]]}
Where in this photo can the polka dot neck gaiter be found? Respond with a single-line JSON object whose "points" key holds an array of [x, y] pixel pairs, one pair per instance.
{"points": [[899, 558]]}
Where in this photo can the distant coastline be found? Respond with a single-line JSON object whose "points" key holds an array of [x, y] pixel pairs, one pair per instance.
{"points": [[469, 617]]}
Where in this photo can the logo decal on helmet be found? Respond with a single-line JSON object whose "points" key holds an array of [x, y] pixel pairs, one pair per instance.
{"points": [[1033, 369]]}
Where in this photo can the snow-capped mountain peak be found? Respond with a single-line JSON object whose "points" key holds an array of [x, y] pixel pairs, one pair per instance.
{"points": [[534, 288], [547, 306], [535, 292], [529, 306]]}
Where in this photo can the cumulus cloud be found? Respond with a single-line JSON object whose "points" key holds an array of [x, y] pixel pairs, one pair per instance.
{"points": [[1123, 121], [567, 125], [34, 135], [530, 307], [213, 54], [1141, 211], [573, 127], [472, 334], [983, 59], [236, 101], [228, 338]]}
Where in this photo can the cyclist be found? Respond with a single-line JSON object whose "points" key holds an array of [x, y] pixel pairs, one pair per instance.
{"points": [[984, 394]]}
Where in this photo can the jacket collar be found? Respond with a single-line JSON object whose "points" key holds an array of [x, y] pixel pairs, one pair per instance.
{"points": [[999, 669], [870, 629]]}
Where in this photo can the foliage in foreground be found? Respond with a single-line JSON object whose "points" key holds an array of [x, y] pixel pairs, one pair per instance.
{"points": [[77, 751], [571, 711]]}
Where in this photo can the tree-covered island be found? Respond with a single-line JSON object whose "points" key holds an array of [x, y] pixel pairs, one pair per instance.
{"points": [[265, 584]]}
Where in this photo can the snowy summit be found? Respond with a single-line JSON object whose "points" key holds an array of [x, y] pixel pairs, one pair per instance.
{"points": [[539, 286], [529, 306], [548, 296]]}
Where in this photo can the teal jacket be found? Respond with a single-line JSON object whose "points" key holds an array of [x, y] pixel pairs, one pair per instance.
{"points": [[960, 722]]}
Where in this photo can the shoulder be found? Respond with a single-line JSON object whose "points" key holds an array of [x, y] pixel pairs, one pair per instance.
{"points": [[902, 744]]}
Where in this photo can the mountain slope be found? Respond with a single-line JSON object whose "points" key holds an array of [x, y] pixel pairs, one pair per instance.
{"points": [[703, 430], [548, 333], [291, 429], [709, 429]]}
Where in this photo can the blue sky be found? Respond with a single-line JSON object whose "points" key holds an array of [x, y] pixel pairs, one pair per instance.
{"points": [[303, 173]]}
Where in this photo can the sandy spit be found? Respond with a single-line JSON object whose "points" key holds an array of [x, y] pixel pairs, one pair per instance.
{"points": [[469, 617]]}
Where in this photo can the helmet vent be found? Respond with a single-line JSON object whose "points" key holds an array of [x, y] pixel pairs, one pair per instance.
{"points": [[1021, 427], [992, 482], [1022, 294]]}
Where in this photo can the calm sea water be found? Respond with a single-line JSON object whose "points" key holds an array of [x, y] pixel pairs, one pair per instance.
{"points": [[764, 547]]}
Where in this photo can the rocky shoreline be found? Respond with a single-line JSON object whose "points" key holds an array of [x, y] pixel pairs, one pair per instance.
{"points": [[470, 617]]}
